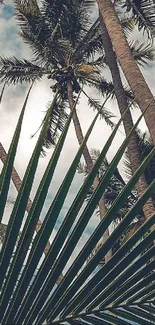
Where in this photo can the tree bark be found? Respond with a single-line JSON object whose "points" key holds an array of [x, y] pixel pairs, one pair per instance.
{"points": [[89, 163], [133, 150], [136, 81]]}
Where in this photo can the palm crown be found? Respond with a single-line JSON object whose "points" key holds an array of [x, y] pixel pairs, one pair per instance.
{"points": [[66, 45]]}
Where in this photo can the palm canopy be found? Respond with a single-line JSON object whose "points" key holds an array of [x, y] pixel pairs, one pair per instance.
{"points": [[120, 293], [66, 45], [144, 12], [56, 44]]}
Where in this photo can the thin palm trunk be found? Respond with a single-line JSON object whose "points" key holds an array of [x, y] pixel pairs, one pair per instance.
{"points": [[133, 150], [136, 81], [89, 164]]}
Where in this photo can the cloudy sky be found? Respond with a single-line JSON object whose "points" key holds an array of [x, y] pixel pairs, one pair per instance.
{"points": [[11, 44]]}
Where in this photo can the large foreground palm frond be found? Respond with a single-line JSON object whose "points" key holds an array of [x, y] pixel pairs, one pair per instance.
{"points": [[120, 293]]}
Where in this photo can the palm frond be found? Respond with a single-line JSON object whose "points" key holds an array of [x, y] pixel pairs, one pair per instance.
{"points": [[36, 32], [28, 289], [128, 25], [104, 87], [90, 41], [57, 122], [142, 53], [104, 113], [73, 17], [99, 62], [144, 12], [13, 70]]}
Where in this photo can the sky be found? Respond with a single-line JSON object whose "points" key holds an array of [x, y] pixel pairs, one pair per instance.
{"points": [[12, 45]]}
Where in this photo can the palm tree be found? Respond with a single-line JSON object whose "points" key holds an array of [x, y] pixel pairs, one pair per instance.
{"points": [[120, 292], [133, 150], [64, 51], [136, 81], [57, 33]]}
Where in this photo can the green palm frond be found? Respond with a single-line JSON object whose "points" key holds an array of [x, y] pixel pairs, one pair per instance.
{"points": [[57, 123], [28, 289], [99, 62], [142, 53], [99, 83], [13, 70], [73, 16], [128, 25], [37, 33], [95, 104], [90, 42], [144, 12], [120, 292], [104, 87]]}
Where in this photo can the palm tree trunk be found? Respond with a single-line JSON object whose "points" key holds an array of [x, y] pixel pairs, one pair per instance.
{"points": [[133, 150], [136, 81], [89, 163]]}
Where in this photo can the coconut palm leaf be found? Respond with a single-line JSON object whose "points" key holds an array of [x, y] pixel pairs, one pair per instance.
{"points": [[56, 124], [7, 168], [46, 291], [28, 293], [95, 104], [13, 70], [142, 52], [35, 31], [73, 208]]}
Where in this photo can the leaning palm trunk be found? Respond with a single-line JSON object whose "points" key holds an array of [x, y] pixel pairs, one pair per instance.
{"points": [[89, 164], [17, 183], [139, 87], [133, 150]]}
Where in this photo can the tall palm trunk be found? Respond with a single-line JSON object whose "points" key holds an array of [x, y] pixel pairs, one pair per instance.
{"points": [[89, 163], [133, 150], [139, 87]]}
